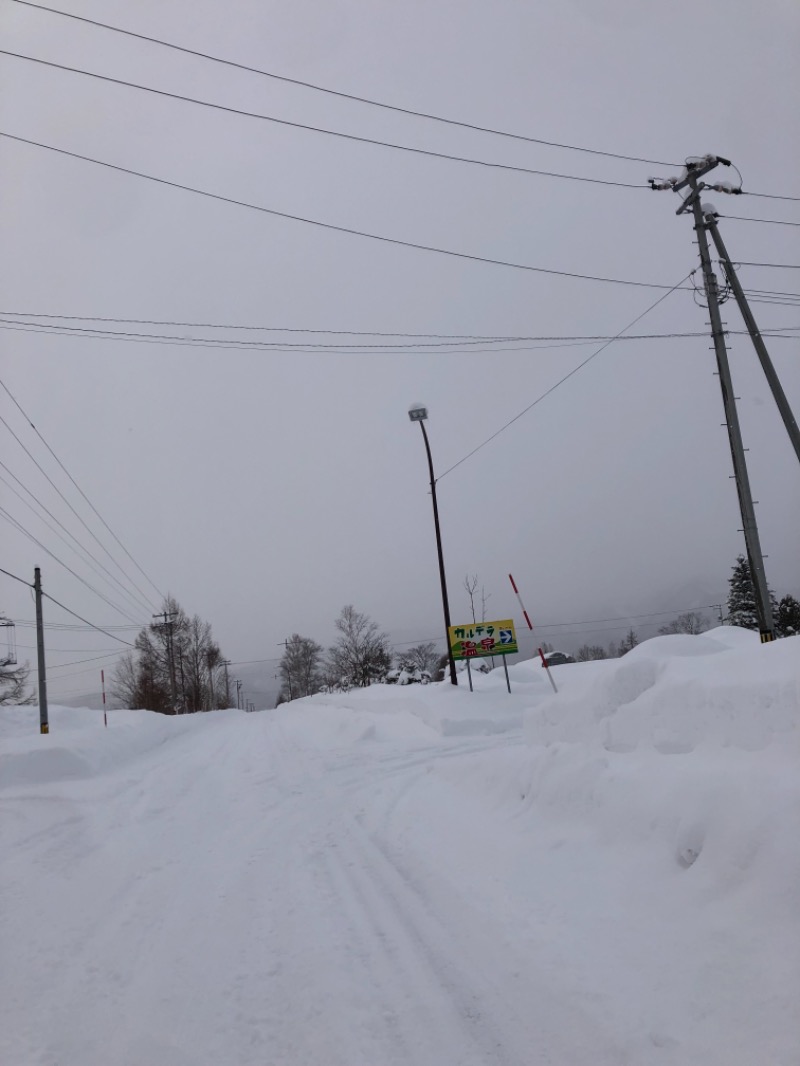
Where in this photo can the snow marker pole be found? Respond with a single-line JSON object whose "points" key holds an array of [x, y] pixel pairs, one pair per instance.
{"points": [[530, 627], [103, 685]]}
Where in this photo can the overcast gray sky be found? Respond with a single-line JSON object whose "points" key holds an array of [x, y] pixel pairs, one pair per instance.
{"points": [[266, 489]]}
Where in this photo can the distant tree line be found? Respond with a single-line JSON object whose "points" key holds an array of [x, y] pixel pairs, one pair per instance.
{"points": [[360, 656], [176, 666], [741, 611]]}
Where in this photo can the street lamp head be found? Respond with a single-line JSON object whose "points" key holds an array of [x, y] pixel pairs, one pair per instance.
{"points": [[417, 412]]}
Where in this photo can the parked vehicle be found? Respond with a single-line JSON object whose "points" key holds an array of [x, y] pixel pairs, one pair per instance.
{"points": [[556, 658]]}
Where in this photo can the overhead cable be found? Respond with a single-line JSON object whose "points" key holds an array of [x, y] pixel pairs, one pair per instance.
{"points": [[61, 494], [21, 580], [561, 381], [463, 346], [770, 196], [449, 339], [93, 562], [776, 266], [766, 221], [327, 132], [264, 329], [233, 344], [331, 226], [76, 662], [91, 625], [16, 524], [343, 95], [25, 415]]}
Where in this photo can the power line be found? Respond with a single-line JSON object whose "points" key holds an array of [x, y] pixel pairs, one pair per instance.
{"points": [[543, 625], [463, 346], [264, 329], [92, 559], [63, 651], [624, 617], [771, 292], [767, 221], [63, 497], [91, 625], [331, 226], [769, 196], [69, 626], [21, 580], [203, 343], [233, 344], [561, 381], [452, 339], [301, 347], [777, 266], [327, 132], [343, 95], [26, 532], [25, 415], [774, 302], [94, 659]]}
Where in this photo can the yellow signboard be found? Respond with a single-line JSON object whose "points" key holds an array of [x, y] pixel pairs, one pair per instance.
{"points": [[478, 639]]}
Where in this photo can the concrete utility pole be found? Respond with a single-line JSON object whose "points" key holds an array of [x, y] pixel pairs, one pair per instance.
{"points": [[287, 644], [755, 335], [168, 623], [44, 722], [225, 664], [703, 215], [211, 665], [182, 709]]}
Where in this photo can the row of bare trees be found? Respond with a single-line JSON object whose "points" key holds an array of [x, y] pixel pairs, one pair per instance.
{"points": [[176, 666], [360, 656]]}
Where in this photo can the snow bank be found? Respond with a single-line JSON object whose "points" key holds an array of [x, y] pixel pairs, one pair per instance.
{"points": [[79, 745], [654, 819], [674, 693]]}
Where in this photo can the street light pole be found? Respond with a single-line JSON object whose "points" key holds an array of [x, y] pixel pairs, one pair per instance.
{"points": [[420, 414]]}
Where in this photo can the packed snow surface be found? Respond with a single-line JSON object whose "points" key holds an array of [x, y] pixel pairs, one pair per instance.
{"points": [[416, 875]]}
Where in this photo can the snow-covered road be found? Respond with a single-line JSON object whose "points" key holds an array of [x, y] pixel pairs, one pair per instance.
{"points": [[390, 878], [236, 898]]}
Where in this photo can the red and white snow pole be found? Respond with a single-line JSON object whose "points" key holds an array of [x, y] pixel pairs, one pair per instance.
{"points": [[530, 627], [103, 685]]}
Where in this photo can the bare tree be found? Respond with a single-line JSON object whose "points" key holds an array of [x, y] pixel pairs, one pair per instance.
{"points": [[690, 622], [628, 642], [471, 586], [124, 683], [590, 652], [361, 655], [177, 655], [422, 659], [13, 682], [13, 678], [300, 668]]}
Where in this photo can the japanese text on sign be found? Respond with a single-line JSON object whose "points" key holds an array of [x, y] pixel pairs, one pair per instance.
{"points": [[476, 640]]}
